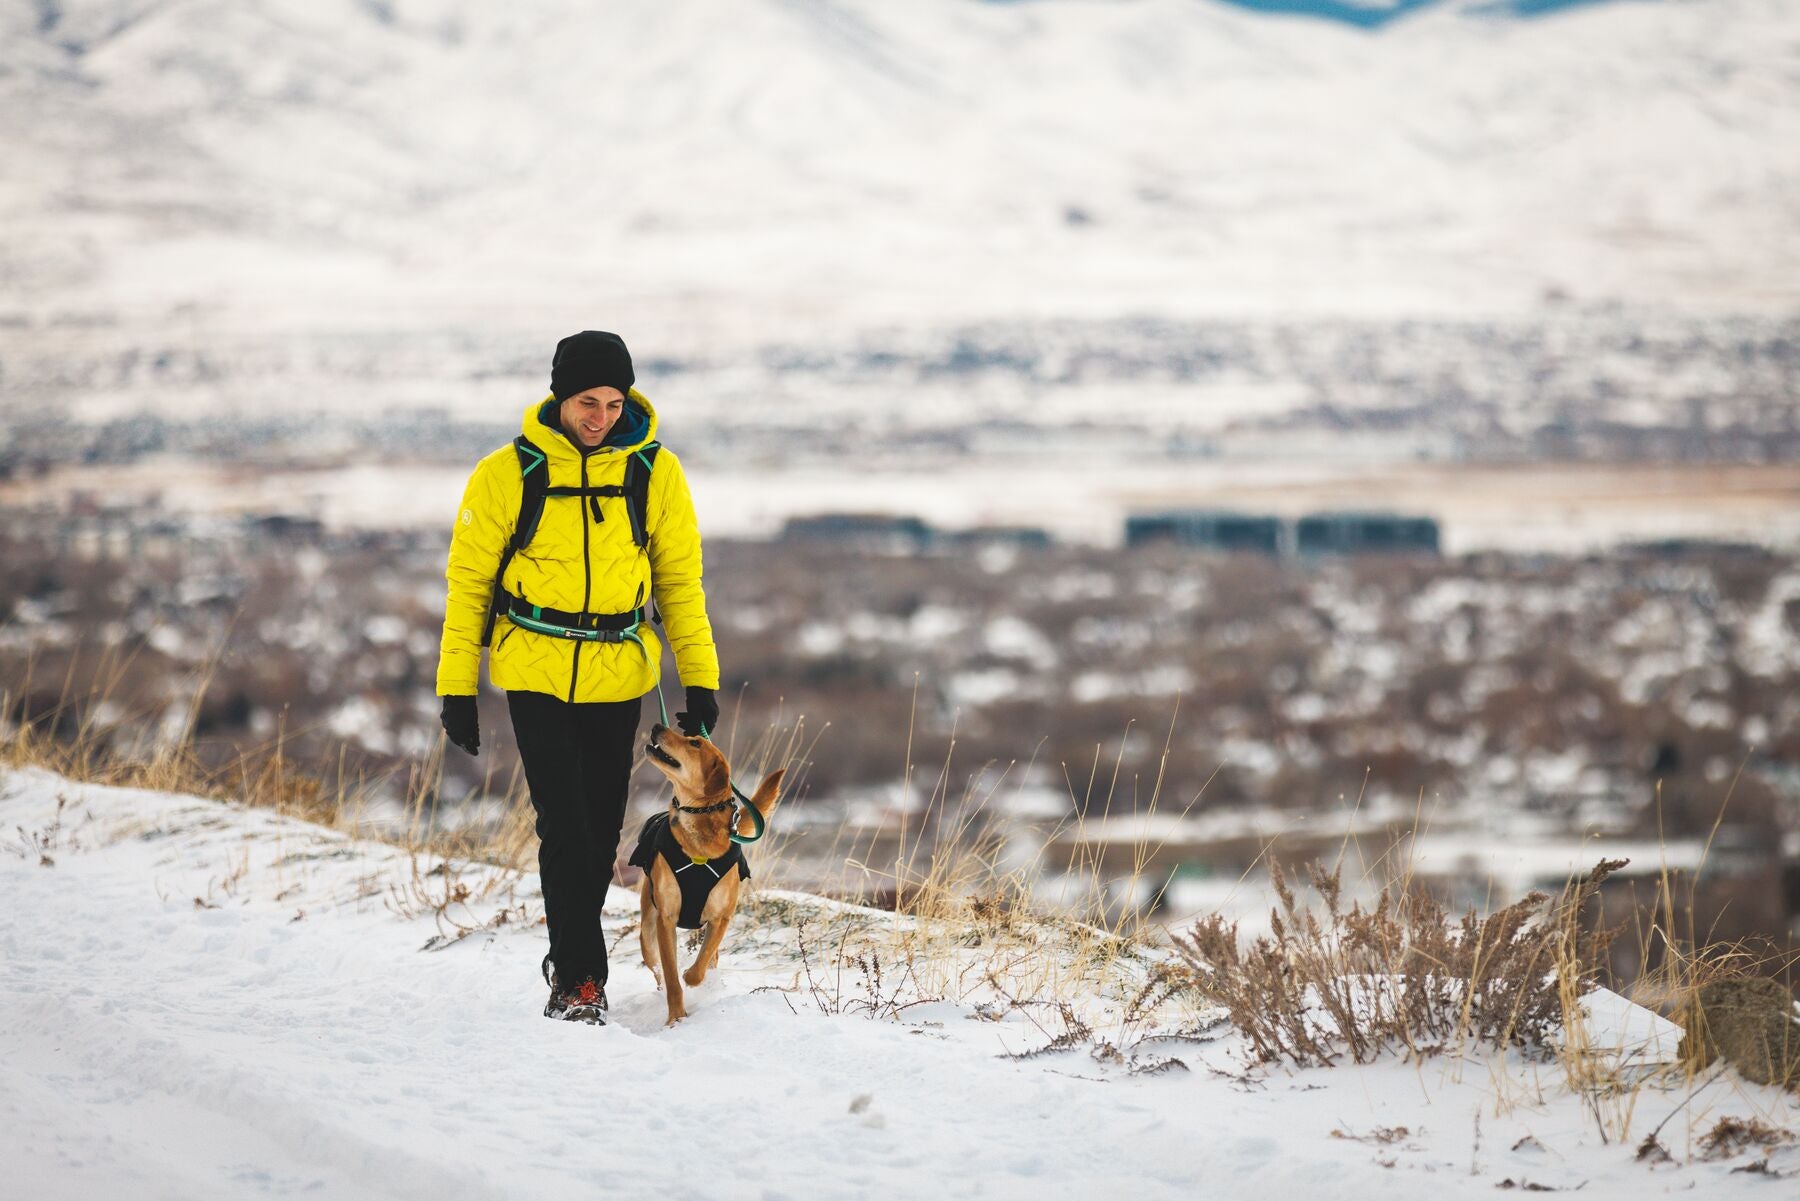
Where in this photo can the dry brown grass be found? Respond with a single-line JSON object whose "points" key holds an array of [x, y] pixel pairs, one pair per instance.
{"points": [[1398, 976], [1733, 1136], [936, 911], [453, 867]]}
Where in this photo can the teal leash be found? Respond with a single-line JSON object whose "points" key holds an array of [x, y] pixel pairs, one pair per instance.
{"points": [[756, 819], [737, 794], [662, 708]]}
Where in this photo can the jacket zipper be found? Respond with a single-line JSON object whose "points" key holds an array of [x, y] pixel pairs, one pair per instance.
{"points": [[587, 586]]}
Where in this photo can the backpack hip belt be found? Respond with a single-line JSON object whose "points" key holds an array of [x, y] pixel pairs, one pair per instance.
{"points": [[584, 627]]}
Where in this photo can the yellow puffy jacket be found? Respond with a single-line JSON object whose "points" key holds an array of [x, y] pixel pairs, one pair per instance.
{"points": [[578, 564]]}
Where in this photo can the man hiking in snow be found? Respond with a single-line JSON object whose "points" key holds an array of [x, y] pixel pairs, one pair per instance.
{"points": [[563, 540]]}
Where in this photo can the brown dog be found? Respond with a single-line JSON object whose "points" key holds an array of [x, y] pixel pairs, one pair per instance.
{"points": [[696, 833]]}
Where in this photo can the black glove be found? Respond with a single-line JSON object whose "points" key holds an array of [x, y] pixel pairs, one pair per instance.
{"points": [[462, 723], [702, 716]]}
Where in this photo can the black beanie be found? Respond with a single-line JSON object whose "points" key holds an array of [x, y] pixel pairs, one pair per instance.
{"points": [[590, 359]]}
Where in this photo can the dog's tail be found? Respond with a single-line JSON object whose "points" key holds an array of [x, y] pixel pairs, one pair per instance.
{"points": [[768, 795]]}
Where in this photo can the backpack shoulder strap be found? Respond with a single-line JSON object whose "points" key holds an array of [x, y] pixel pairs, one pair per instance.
{"points": [[637, 490], [534, 485]]}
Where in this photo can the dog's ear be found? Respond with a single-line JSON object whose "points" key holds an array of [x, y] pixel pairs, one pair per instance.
{"points": [[768, 793], [715, 775]]}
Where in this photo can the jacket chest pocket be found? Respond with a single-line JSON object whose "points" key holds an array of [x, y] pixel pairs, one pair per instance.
{"points": [[559, 533]]}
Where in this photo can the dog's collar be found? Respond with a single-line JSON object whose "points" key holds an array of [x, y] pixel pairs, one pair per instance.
{"points": [[742, 802]]}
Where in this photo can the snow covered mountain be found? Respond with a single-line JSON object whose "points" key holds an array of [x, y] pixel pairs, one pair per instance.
{"points": [[765, 167]]}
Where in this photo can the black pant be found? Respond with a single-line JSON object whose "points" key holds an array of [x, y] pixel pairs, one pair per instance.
{"points": [[577, 760]]}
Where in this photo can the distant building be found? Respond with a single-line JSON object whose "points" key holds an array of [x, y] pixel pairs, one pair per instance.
{"points": [[282, 527], [869, 531], [1694, 548], [1024, 537], [1208, 528], [1352, 533]]}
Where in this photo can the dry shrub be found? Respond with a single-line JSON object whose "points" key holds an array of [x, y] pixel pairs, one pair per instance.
{"points": [[1750, 1023], [1401, 975], [871, 991], [1136, 1042], [1733, 1136]]}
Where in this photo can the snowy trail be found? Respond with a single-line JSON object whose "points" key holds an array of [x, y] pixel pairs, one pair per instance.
{"points": [[158, 1049]]}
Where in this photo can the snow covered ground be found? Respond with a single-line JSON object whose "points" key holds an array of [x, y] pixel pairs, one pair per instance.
{"points": [[207, 1001]]}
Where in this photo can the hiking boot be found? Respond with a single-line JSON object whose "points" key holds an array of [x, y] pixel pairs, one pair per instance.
{"points": [[583, 1002]]}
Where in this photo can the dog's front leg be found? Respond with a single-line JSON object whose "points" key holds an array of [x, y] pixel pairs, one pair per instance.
{"points": [[709, 951], [665, 946], [664, 907], [721, 906], [647, 923]]}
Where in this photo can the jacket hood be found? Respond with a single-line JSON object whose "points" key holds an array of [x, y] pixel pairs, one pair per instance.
{"points": [[635, 428]]}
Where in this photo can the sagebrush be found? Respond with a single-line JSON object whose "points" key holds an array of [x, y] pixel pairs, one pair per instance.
{"points": [[1403, 975]]}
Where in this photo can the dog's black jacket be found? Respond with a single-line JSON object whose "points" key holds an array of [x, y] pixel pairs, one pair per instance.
{"points": [[696, 878]]}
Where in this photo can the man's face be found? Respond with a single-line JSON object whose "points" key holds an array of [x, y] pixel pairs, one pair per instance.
{"points": [[588, 416]]}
